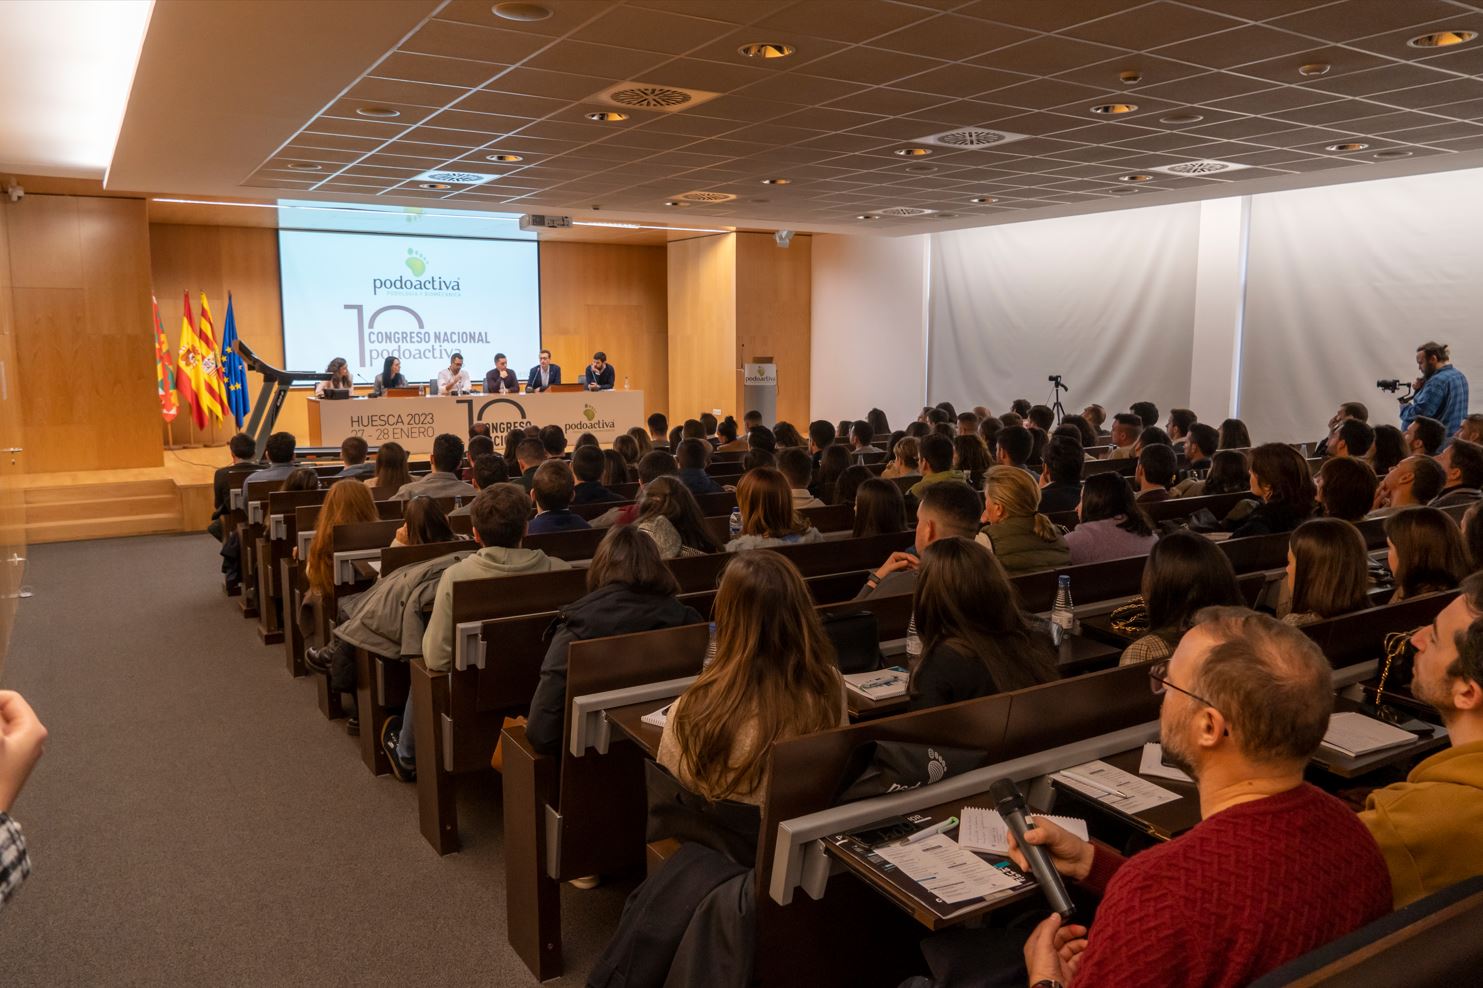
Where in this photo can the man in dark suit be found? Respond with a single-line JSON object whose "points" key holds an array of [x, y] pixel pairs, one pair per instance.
{"points": [[600, 373], [542, 377], [242, 448], [501, 379]]}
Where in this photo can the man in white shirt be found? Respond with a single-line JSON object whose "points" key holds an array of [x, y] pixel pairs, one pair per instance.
{"points": [[453, 379]]}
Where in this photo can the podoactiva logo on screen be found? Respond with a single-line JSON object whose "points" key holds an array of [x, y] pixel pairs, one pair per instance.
{"points": [[417, 282]]}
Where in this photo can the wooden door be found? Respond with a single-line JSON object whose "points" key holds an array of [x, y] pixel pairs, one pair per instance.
{"points": [[12, 506]]}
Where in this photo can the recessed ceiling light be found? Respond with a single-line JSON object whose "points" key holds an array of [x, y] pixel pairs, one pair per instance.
{"points": [[1348, 146], [521, 11], [606, 116], [1113, 109], [1391, 153], [378, 112], [437, 186], [1442, 39], [1129, 76], [945, 216], [867, 216], [777, 181], [673, 202], [1182, 118], [766, 49], [304, 166], [1135, 177], [983, 200], [912, 152], [920, 169], [1313, 69], [504, 157]]}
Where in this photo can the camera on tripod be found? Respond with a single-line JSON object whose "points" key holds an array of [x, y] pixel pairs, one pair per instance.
{"points": [[1056, 380], [1393, 385]]}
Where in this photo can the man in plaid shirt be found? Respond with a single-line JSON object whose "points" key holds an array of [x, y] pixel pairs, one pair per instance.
{"points": [[22, 738], [1441, 390]]}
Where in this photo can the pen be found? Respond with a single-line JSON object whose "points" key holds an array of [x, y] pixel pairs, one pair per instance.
{"points": [[936, 828], [1075, 777]]}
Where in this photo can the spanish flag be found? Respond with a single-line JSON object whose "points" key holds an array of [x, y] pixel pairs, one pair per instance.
{"points": [[213, 384], [164, 368], [188, 373]]}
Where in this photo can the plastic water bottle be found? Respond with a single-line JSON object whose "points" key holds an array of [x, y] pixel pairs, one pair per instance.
{"points": [[710, 645], [1061, 613], [913, 640], [735, 525], [625, 382]]}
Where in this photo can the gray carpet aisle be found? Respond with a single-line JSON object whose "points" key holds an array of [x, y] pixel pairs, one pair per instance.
{"points": [[196, 821]]}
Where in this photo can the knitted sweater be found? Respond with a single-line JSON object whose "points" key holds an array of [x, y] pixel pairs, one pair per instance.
{"points": [[1244, 892]]}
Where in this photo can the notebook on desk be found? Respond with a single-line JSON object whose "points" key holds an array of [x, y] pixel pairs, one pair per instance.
{"points": [[1354, 735], [920, 868]]}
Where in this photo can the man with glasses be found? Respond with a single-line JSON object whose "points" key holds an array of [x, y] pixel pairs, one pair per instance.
{"points": [[1428, 826], [1275, 869]]}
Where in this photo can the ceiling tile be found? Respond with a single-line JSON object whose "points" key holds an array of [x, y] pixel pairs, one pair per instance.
{"points": [[343, 142], [872, 66], [1248, 43], [827, 118], [1461, 110], [965, 113], [556, 85], [565, 16], [407, 115], [1464, 59], [1242, 128], [1341, 62], [741, 109], [802, 89], [1437, 94], [483, 44], [1150, 26], [1274, 101], [1378, 80], [446, 136], [1361, 18], [1048, 55], [479, 123], [698, 73], [651, 30], [511, 105], [1206, 88], [435, 69], [608, 61], [1327, 113], [842, 20], [952, 37], [1257, 10], [1042, 94], [1045, 15]]}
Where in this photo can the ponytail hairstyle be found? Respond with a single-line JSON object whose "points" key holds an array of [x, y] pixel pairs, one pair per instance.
{"points": [[1015, 491]]}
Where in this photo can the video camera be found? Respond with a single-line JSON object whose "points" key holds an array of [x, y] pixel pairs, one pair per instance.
{"points": [[1393, 385]]}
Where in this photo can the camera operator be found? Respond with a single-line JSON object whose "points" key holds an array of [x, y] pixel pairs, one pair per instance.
{"points": [[1441, 390]]}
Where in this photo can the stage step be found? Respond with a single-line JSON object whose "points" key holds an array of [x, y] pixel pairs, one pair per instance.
{"points": [[100, 511]]}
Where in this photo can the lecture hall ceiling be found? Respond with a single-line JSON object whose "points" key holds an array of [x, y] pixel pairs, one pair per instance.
{"points": [[868, 79]]}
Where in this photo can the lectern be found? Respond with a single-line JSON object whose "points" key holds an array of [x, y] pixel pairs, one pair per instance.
{"points": [[270, 396]]}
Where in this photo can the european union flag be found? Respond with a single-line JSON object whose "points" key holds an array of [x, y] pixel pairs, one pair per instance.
{"points": [[235, 369]]}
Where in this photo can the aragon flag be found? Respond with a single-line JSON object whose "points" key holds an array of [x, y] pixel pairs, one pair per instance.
{"points": [[188, 372], [164, 367], [213, 384]]}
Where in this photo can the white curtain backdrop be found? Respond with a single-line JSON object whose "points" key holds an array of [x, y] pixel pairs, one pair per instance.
{"points": [[1342, 284], [1105, 300]]}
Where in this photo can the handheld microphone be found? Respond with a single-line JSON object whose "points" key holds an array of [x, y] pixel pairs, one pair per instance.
{"points": [[1010, 803]]}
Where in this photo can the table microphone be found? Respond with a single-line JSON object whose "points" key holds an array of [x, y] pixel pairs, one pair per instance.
{"points": [[1010, 803]]}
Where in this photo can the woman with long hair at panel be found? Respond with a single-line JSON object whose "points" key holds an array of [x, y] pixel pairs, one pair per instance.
{"points": [[340, 377], [975, 638], [1184, 573], [1281, 480], [768, 517], [629, 589], [1022, 538], [880, 509], [391, 470], [390, 377], [669, 514], [1328, 571], [1425, 552], [1111, 524], [774, 676]]}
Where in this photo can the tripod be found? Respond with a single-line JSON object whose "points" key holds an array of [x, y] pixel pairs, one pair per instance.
{"points": [[1056, 388]]}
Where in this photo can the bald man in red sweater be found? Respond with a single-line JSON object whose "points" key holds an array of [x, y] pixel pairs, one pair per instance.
{"points": [[1274, 869]]}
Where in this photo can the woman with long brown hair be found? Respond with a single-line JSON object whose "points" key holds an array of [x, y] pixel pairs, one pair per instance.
{"points": [[669, 514], [768, 517], [423, 522], [880, 508], [391, 470], [1328, 571], [975, 638], [1426, 552], [1184, 573], [347, 503], [774, 676], [1280, 478]]}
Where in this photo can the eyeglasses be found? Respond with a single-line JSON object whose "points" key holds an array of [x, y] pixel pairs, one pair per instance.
{"points": [[1158, 682]]}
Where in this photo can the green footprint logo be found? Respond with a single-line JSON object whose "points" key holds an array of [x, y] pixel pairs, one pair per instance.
{"points": [[416, 263], [589, 413]]}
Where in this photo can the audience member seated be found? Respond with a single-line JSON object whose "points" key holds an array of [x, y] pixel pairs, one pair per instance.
{"points": [[1345, 488], [1111, 524], [773, 677], [301, 479], [1157, 467], [1424, 436], [1013, 447], [1424, 551], [1185, 574], [1200, 447], [629, 448], [708, 423], [1472, 536], [767, 514], [1060, 475], [975, 639], [726, 431], [443, 480], [1084, 433], [1328, 572], [751, 420], [1095, 416], [1471, 428], [242, 449], [988, 431], [1388, 450], [786, 436], [1280, 478], [1042, 417], [477, 447], [1147, 412], [553, 440], [551, 490], [1351, 437], [692, 457], [1462, 462], [530, 454], [344, 504], [1276, 868], [588, 466], [424, 523], [834, 461], [629, 589], [1020, 536], [1020, 407], [1181, 420], [759, 457], [971, 459], [820, 437], [947, 510], [499, 517], [353, 452], [1428, 826], [760, 438], [905, 461], [1038, 437], [797, 466], [1233, 435], [967, 424], [880, 509], [391, 468], [658, 431], [586, 439], [1348, 410], [937, 459], [1126, 428], [279, 449], [669, 514], [1151, 436], [861, 435], [1229, 474], [615, 470]]}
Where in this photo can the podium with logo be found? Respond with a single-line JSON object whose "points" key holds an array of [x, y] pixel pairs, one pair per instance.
{"points": [[760, 388]]}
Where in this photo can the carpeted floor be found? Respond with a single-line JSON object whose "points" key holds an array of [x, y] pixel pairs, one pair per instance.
{"points": [[196, 821]]}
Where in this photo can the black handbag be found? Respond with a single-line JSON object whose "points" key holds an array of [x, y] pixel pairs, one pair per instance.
{"points": [[879, 767], [856, 638]]}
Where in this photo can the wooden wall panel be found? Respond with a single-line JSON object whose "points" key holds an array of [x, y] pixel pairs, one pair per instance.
{"points": [[12, 503], [702, 326], [773, 304], [612, 298], [83, 333]]}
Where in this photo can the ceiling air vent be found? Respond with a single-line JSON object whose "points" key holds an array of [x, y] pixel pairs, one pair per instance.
{"points": [[705, 197], [903, 211], [1205, 166], [972, 137], [647, 96], [455, 178]]}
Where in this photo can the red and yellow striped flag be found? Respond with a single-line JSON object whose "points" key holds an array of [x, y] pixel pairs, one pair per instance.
{"points": [[213, 384], [188, 371]]}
